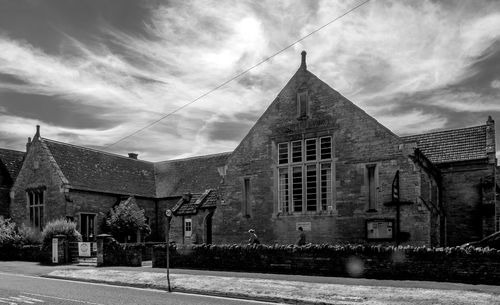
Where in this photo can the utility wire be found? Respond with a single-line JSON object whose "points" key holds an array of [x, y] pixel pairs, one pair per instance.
{"points": [[237, 75]]}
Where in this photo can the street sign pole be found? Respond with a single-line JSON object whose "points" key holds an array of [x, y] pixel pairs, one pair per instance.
{"points": [[396, 201], [168, 213]]}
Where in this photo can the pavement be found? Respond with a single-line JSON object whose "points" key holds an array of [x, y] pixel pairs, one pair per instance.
{"points": [[295, 289]]}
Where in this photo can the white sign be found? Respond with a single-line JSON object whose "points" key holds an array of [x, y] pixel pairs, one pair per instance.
{"points": [[83, 249], [306, 226], [55, 257], [379, 229]]}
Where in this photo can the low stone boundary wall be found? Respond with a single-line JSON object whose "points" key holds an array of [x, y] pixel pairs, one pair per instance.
{"points": [[472, 265], [30, 253], [112, 253]]}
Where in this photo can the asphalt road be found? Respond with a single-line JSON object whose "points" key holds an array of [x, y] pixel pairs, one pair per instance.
{"points": [[25, 289]]}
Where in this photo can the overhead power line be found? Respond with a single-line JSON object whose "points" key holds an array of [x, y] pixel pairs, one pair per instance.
{"points": [[238, 75]]}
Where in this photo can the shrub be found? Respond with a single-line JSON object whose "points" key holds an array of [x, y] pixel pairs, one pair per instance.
{"points": [[126, 219], [57, 227], [8, 232], [29, 236]]}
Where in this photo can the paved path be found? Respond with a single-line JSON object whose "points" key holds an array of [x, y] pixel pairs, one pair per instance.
{"points": [[31, 268], [360, 288]]}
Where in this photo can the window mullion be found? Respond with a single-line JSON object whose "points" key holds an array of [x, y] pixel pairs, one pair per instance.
{"points": [[304, 186], [318, 190]]}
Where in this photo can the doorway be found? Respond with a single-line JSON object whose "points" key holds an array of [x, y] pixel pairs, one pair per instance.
{"points": [[87, 226], [208, 228]]}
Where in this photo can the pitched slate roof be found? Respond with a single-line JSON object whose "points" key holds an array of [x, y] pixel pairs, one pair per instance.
{"points": [[452, 145], [13, 160], [195, 175], [95, 170], [195, 202]]}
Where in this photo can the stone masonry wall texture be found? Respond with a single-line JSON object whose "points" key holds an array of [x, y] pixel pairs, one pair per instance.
{"points": [[38, 170], [358, 140]]}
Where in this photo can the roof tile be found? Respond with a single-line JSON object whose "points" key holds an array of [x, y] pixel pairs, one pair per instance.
{"points": [[95, 170], [194, 175], [452, 145], [208, 199], [13, 160]]}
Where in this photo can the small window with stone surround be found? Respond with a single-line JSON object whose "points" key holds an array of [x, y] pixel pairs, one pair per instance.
{"points": [[188, 227], [302, 104]]}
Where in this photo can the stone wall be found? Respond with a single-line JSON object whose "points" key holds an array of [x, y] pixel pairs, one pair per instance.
{"points": [[477, 266], [462, 199]]}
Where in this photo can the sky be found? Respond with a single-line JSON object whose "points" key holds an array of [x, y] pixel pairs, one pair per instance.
{"points": [[93, 72]]}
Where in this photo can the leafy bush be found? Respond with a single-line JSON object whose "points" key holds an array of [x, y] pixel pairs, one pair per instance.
{"points": [[57, 227], [29, 236], [8, 232], [126, 219]]}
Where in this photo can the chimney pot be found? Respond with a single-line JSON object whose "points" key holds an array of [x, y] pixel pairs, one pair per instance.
{"points": [[187, 196], [133, 155]]}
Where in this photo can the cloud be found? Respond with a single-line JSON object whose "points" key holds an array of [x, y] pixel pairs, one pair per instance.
{"points": [[407, 63], [412, 122]]}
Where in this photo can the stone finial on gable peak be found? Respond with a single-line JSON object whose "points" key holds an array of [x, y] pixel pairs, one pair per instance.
{"points": [[37, 134], [303, 64]]}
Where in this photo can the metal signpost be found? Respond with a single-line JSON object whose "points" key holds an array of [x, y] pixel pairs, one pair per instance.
{"points": [[396, 201], [168, 213]]}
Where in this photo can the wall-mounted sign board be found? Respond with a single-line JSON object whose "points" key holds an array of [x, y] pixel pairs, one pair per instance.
{"points": [[380, 229], [306, 225]]}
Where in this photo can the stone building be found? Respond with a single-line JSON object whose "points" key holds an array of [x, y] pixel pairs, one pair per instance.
{"points": [[10, 165], [60, 180], [313, 160]]}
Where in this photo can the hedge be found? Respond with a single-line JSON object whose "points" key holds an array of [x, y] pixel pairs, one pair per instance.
{"points": [[11, 252], [455, 264]]}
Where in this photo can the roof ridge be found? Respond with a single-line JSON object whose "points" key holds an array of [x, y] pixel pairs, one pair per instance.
{"points": [[12, 150], [96, 150], [443, 131], [196, 157]]}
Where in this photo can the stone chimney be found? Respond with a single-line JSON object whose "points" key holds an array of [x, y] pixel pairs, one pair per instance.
{"points": [[28, 144], [187, 197], [133, 155]]}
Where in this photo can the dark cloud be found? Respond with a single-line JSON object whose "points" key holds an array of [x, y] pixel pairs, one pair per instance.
{"points": [[370, 73], [53, 110], [251, 81], [485, 70], [249, 117], [12, 80], [228, 131], [44, 23]]}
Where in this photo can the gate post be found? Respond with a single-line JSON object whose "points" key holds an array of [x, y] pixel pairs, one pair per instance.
{"points": [[100, 248], [59, 245]]}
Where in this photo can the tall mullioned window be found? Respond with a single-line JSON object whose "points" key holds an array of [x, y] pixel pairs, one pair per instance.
{"points": [[35, 207], [305, 175]]}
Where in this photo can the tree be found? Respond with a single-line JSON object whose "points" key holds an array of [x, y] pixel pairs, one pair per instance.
{"points": [[126, 219]]}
